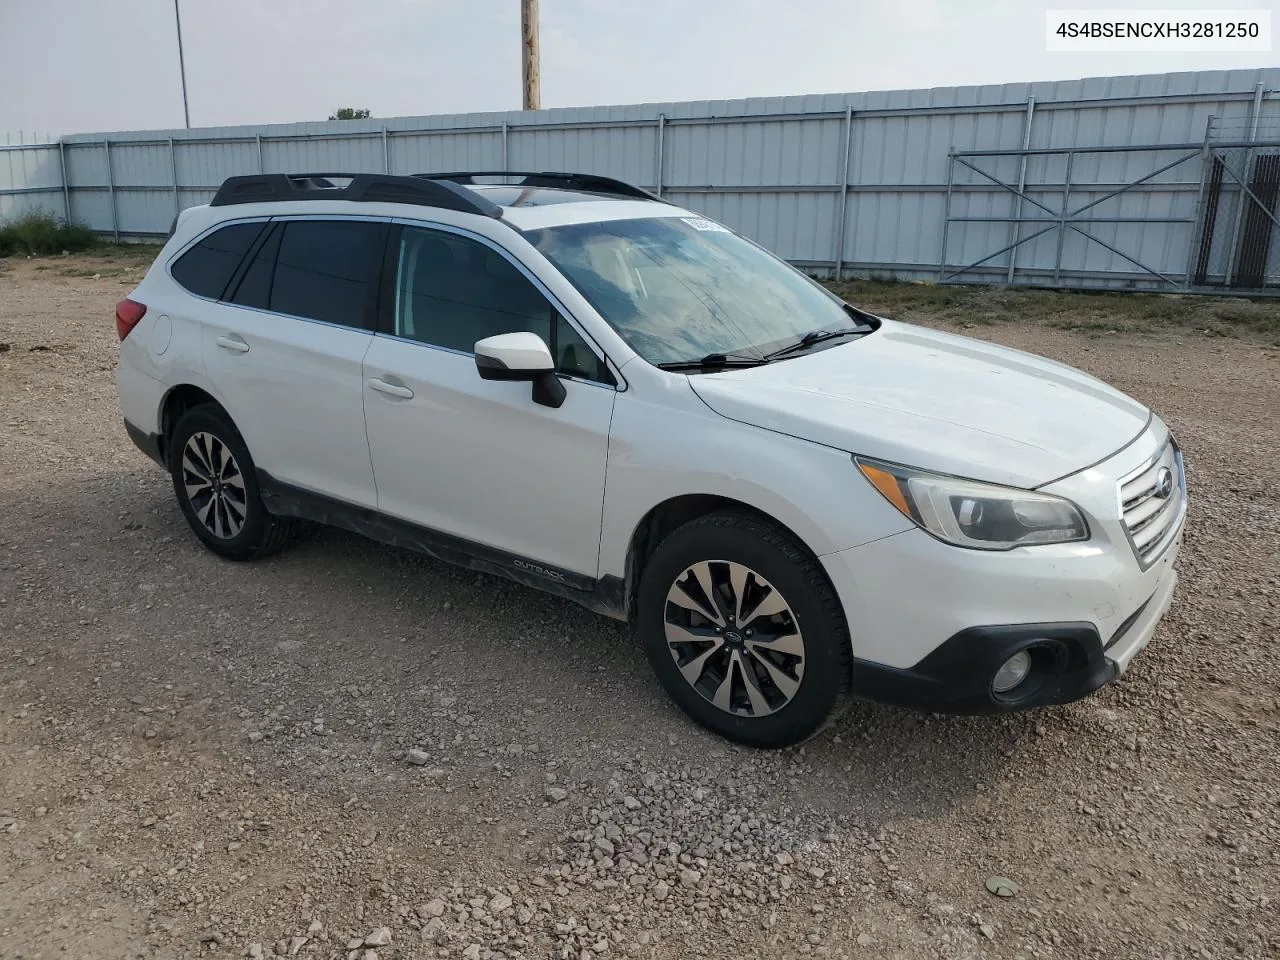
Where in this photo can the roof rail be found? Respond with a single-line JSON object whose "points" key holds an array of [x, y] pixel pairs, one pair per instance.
{"points": [[573, 181], [362, 187]]}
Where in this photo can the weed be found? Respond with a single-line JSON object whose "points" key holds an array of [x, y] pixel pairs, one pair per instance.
{"points": [[38, 233]]}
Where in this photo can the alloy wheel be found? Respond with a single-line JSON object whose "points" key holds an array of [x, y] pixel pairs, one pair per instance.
{"points": [[734, 638], [214, 485]]}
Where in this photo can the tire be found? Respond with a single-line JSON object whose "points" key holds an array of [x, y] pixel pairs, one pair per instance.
{"points": [[228, 516], [791, 648]]}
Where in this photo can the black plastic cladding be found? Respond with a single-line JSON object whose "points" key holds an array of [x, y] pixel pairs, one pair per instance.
{"points": [[364, 187]]}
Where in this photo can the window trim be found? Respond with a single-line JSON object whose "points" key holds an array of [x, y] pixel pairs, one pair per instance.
{"points": [[386, 301]]}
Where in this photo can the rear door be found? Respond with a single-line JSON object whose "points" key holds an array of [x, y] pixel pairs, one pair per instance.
{"points": [[285, 346]]}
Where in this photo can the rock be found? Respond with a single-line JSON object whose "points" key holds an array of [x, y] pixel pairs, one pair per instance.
{"points": [[500, 903], [631, 803], [557, 794], [661, 890], [604, 846], [355, 943], [689, 877], [378, 937], [472, 952], [1002, 886], [785, 859], [418, 758], [314, 928], [987, 930], [254, 952], [433, 931], [432, 908], [296, 944]]}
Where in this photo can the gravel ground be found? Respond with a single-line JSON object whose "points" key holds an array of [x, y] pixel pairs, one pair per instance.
{"points": [[350, 751]]}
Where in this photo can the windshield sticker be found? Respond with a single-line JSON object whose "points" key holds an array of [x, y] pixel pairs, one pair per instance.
{"points": [[699, 223]]}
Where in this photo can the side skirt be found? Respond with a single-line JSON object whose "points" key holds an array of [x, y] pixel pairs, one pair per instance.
{"points": [[604, 596]]}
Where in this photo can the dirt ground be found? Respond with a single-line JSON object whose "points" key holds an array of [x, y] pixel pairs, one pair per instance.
{"points": [[206, 759]]}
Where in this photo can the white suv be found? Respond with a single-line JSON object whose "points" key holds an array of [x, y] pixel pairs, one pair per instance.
{"points": [[564, 380]]}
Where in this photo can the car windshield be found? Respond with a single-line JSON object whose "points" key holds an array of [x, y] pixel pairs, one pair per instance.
{"points": [[679, 289]]}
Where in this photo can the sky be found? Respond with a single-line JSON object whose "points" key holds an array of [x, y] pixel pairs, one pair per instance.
{"points": [[79, 66]]}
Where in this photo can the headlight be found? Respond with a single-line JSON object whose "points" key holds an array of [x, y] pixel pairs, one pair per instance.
{"points": [[983, 516]]}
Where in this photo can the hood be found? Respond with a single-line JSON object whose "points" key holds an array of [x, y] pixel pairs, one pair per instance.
{"points": [[935, 401]]}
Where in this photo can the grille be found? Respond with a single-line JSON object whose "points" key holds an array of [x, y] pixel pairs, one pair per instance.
{"points": [[1153, 502]]}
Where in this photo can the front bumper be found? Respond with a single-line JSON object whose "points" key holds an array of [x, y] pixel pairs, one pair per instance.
{"points": [[931, 623], [956, 676]]}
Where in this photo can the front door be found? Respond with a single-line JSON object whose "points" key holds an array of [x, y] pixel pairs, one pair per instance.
{"points": [[478, 459]]}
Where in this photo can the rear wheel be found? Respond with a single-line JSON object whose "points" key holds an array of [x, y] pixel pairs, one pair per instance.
{"points": [[217, 488], [744, 630]]}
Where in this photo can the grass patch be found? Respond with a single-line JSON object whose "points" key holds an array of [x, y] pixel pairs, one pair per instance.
{"points": [[93, 272], [42, 234], [1254, 316], [1083, 312], [128, 254]]}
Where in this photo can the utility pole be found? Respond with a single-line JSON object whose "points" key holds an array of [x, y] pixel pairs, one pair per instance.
{"points": [[529, 61], [182, 67]]}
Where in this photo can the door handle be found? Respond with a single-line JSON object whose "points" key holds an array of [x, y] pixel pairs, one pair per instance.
{"points": [[229, 341], [390, 389]]}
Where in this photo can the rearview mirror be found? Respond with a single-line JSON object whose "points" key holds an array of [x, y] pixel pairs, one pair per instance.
{"points": [[521, 356]]}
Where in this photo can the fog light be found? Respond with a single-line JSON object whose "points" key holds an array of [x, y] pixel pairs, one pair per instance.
{"points": [[1012, 672]]}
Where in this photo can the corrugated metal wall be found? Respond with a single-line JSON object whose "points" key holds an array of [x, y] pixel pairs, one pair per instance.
{"points": [[779, 169]]}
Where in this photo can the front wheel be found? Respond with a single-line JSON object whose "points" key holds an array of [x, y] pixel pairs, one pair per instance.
{"points": [[744, 630]]}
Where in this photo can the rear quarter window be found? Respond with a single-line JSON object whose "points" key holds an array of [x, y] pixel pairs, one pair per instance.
{"points": [[207, 268]]}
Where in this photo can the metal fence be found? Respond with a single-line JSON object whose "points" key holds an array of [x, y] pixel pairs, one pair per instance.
{"points": [[1102, 182]]}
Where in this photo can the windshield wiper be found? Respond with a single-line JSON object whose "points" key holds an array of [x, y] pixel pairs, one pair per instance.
{"points": [[815, 337], [714, 361]]}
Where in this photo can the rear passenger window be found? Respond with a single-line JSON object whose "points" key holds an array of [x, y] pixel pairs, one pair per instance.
{"points": [[206, 268], [324, 270]]}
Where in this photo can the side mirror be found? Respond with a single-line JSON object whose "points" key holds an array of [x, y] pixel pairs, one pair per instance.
{"points": [[521, 356]]}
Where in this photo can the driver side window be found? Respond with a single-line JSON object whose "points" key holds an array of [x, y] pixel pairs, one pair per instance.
{"points": [[452, 291]]}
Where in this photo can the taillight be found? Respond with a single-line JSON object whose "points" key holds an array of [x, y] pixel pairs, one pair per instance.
{"points": [[128, 313]]}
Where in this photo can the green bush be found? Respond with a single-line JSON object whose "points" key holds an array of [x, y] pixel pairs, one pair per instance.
{"points": [[39, 233]]}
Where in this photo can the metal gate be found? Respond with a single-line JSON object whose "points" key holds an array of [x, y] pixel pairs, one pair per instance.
{"points": [[1217, 201], [1238, 246]]}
